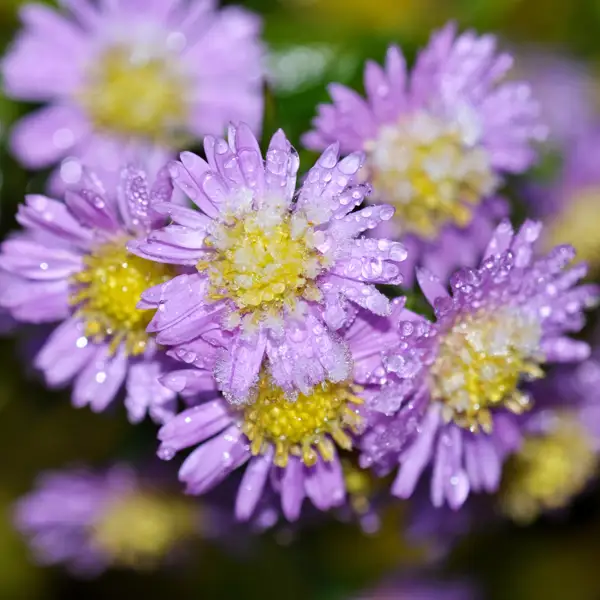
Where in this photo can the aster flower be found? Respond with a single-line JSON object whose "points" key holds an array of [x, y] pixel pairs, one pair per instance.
{"points": [[437, 140], [71, 265], [559, 455], [291, 448], [274, 271], [569, 206], [122, 77], [455, 384], [90, 521]]}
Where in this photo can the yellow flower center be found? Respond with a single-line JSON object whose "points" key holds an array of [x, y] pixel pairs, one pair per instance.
{"points": [[548, 471], [139, 529], [480, 363], [264, 261], [432, 175], [576, 224], [142, 98], [304, 427], [107, 290]]}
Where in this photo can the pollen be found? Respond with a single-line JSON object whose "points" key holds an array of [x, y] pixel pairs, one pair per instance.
{"points": [[140, 528], [264, 261], [576, 224], [431, 171], [307, 427], [106, 292], [548, 471], [136, 97], [480, 363]]}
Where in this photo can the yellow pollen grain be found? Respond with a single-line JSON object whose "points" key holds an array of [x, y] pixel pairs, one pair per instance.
{"points": [[423, 167], [307, 427], [480, 363], [139, 529], [548, 471], [141, 99], [262, 264], [106, 292]]}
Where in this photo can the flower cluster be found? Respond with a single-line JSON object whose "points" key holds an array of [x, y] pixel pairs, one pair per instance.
{"points": [[270, 324]]}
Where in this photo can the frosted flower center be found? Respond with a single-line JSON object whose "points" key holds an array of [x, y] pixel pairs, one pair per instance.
{"points": [[548, 471], [480, 363], [431, 171], [139, 529], [264, 261], [144, 98], [107, 290], [305, 427], [577, 225]]}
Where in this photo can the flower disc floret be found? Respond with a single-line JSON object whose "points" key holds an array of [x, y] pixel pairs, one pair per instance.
{"points": [[426, 167], [549, 470], [481, 361], [264, 261], [107, 291], [159, 110], [304, 427]]}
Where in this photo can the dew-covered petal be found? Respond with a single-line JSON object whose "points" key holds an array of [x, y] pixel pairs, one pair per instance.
{"points": [[237, 371], [194, 426], [53, 218], [417, 456], [213, 461], [66, 352], [98, 384], [145, 393], [253, 484]]}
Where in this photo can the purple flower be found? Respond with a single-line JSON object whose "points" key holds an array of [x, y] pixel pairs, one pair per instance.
{"points": [[123, 77], [274, 269], [570, 205], [559, 455], [71, 265], [438, 140], [455, 384], [92, 520], [290, 447]]}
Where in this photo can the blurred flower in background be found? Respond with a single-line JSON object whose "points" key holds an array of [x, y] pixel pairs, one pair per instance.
{"points": [[437, 140], [91, 520], [122, 78]]}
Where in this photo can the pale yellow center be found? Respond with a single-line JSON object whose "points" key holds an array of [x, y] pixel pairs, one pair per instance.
{"points": [[107, 290], [480, 363], [264, 261], [304, 427], [548, 471], [139, 529], [142, 98], [423, 166], [577, 225]]}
